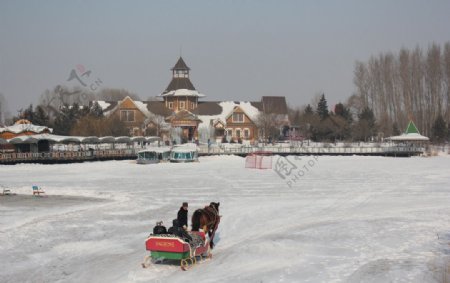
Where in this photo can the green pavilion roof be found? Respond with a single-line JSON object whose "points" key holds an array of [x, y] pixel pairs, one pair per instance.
{"points": [[411, 129]]}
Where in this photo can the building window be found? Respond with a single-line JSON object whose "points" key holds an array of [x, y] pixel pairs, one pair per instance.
{"points": [[246, 133], [127, 115], [238, 117], [229, 132], [238, 133], [182, 103], [181, 74], [192, 105], [170, 105]]}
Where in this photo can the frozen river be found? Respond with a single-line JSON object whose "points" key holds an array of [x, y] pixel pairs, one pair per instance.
{"points": [[342, 219]]}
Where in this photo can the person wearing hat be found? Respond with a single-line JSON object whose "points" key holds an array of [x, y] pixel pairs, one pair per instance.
{"points": [[182, 216]]}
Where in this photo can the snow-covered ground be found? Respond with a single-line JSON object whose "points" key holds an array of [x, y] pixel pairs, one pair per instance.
{"points": [[346, 219]]}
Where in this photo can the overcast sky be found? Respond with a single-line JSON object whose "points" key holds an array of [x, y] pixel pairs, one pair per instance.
{"points": [[237, 50]]}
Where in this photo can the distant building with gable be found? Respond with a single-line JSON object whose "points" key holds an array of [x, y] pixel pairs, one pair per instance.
{"points": [[23, 127], [181, 111]]}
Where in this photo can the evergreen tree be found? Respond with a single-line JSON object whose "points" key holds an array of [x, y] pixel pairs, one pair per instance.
{"points": [[366, 125], [308, 122], [96, 110], [322, 108], [344, 112], [28, 113], [40, 117], [66, 119], [395, 129], [309, 110], [367, 115], [439, 130]]}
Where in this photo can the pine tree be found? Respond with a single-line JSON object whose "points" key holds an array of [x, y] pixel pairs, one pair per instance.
{"points": [[366, 125], [367, 115], [40, 117], [28, 114], [344, 112], [395, 129], [439, 130], [309, 110], [322, 108], [66, 119], [96, 110]]}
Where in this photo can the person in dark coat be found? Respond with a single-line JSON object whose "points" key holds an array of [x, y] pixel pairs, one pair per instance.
{"points": [[178, 231], [182, 216]]}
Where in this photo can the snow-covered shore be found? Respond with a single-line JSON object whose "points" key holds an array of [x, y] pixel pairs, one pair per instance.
{"points": [[347, 219]]}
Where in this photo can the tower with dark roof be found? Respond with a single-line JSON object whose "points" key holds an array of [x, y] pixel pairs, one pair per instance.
{"points": [[180, 77], [181, 94], [181, 98]]}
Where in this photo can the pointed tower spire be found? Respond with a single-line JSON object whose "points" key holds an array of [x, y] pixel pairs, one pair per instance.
{"points": [[181, 65], [180, 77]]}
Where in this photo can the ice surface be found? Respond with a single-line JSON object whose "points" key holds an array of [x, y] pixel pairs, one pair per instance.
{"points": [[348, 219]]}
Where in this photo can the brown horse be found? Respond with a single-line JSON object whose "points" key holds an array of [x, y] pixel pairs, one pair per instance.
{"points": [[208, 219]]}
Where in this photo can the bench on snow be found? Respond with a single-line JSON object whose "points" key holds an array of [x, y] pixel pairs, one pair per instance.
{"points": [[37, 191]]}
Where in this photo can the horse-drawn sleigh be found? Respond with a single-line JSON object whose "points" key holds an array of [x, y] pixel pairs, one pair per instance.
{"points": [[188, 247]]}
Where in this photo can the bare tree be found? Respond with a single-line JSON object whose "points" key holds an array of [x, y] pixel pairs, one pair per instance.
{"points": [[267, 126], [406, 86], [53, 100], [94, 126], [156, 125], [3, 109], [446, 67], [113, 94]]}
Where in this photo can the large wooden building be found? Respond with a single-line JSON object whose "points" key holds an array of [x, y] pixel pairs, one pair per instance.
{"points": [[23, 128], [181, 113]]}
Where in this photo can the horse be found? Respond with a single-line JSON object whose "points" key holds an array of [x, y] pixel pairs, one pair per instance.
{"points": [[208, 219]]}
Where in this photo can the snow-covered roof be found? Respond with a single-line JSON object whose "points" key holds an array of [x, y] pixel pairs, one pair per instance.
{"points": [[411, 134], [107, 139], [227, 108], [183, 92], [23, 139], [20, 128], [152, 139], [123, 139], [103, 104], [409, 137], [77, 139], [161, 149], [187, 147], [39, 137], [108, 108], [142, 107]]}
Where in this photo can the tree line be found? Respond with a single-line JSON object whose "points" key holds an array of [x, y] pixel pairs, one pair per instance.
{"points": [[339, 124], [75, 120], [410, 85], [70, 111]]}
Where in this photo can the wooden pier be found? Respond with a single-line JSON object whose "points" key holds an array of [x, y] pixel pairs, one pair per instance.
{"points": [[394, 151], [67, 156], [130, 153]]}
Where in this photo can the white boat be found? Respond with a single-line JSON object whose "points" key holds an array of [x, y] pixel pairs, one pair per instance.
{"points": [[153, 155], [184, 153]]}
